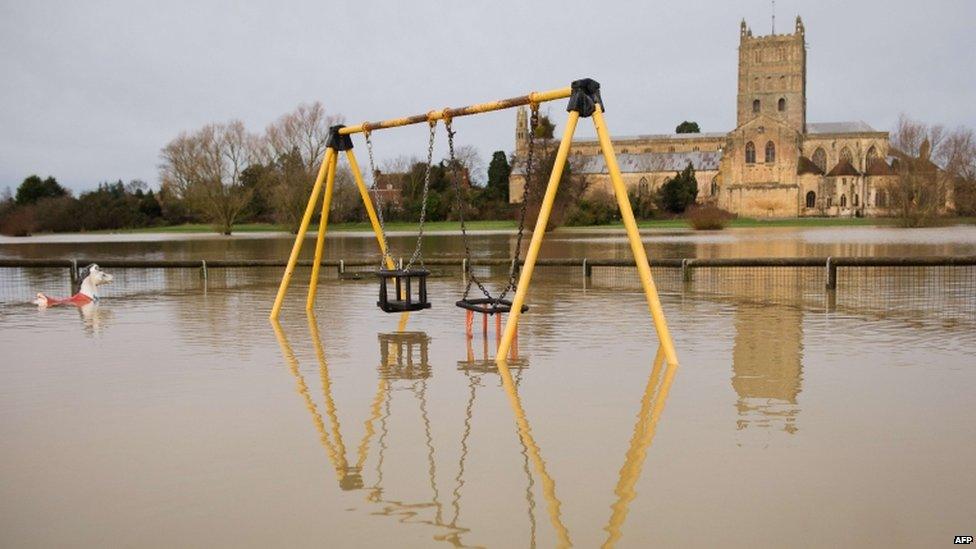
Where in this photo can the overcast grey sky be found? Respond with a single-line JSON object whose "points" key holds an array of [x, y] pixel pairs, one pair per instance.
{"points": [[90, 91]]}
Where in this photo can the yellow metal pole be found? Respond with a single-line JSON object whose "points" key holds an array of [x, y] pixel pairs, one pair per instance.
{"points": [[302, 229], [368, 204], [650, 412], [320, 237], [636, 246], [511, 325], [525, 434], [441, 114]]}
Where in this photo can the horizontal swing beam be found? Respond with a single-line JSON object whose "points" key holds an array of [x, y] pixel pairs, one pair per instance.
{"points": [[533, 97]]}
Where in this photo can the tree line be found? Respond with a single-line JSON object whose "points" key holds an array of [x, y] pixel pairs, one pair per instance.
{"points": [[223, 174]]}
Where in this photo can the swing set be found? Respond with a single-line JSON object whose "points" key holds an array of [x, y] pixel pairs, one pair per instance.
{"points": [[409, 280]]}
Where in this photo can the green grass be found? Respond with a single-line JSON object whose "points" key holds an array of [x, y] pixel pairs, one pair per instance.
{"points": [[338, 227], [742, 222], [747, 222]]}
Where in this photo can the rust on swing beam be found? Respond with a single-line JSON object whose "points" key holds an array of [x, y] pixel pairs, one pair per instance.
{"points": [[528, 99]]}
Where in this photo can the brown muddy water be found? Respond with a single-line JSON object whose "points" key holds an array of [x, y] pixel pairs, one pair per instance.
{"points": [[174, 414]]}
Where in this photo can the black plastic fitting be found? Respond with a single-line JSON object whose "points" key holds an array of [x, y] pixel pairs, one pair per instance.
{"points": [[585, 97], [338, 141]]}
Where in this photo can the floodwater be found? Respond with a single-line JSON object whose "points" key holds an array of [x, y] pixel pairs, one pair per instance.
{"points": [[175, 414]]}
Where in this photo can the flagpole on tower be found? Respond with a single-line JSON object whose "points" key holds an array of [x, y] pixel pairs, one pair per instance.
{"points": [[774, 16]]}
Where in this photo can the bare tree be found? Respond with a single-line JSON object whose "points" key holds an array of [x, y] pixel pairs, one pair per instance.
{"points": [[957, 156], [399, 164], [205, 168], [294, 147], [347, 204], [469, 159], [920, 192]]}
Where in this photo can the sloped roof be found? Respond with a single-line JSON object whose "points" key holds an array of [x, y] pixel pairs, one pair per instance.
{"points": [[877, 166], [856, 126], [843, 168], [642, 162], [662, 137], [804, 166]]}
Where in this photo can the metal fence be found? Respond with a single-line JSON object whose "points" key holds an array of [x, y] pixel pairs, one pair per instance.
{"points": [[946, 284]]}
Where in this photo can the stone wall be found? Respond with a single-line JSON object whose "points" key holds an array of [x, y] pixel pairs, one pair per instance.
{"points": [[762, 201], [600, 184]]}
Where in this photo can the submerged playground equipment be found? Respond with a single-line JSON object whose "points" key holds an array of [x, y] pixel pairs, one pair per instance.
{"points": [[584, 102]]}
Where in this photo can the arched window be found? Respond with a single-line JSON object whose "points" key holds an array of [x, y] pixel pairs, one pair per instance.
{"points": [[624, 151], [843, 201], [881, 200], [872, 154], [643, 187], [845, 154], [756, 105], [857, 200], [750, 153], [770, 152], [830, 202], [811, 199], [782, 104], [696, 149], [820, 159]]}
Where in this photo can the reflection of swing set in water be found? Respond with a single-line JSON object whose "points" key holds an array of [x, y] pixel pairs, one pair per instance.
{"points": [[404, 358], [584, 101]]}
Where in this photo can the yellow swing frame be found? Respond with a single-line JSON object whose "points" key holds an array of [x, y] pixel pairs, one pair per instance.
{"points": [[585, 101]]}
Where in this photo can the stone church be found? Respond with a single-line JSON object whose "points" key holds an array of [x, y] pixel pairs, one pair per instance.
{"points": [[773, 164]]}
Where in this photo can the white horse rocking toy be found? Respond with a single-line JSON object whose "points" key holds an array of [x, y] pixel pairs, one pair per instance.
{"points": [[92, 277]]}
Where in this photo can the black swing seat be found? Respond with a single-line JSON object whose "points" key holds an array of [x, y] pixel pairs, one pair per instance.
{"points": [[402, 298], [488, 306]]}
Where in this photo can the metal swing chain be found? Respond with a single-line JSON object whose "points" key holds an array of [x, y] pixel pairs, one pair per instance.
{"points": [[456, 180], [527, 188], [513, 270], [377, 201], [418, 249]]}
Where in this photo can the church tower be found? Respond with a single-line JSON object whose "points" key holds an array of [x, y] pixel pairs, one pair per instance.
{"points": [[521, 131], [773, 76]]}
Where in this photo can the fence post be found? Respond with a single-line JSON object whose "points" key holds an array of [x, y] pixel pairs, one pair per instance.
{"points": [[203, 269], [341, 268], [73, 274], [685, 270], [587, 269], [831, 274]]}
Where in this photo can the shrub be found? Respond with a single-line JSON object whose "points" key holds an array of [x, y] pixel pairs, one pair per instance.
{"points": [[679, 193], [599, 209], [708, 217], [18, 221], [58, 214], [644, 205]]}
